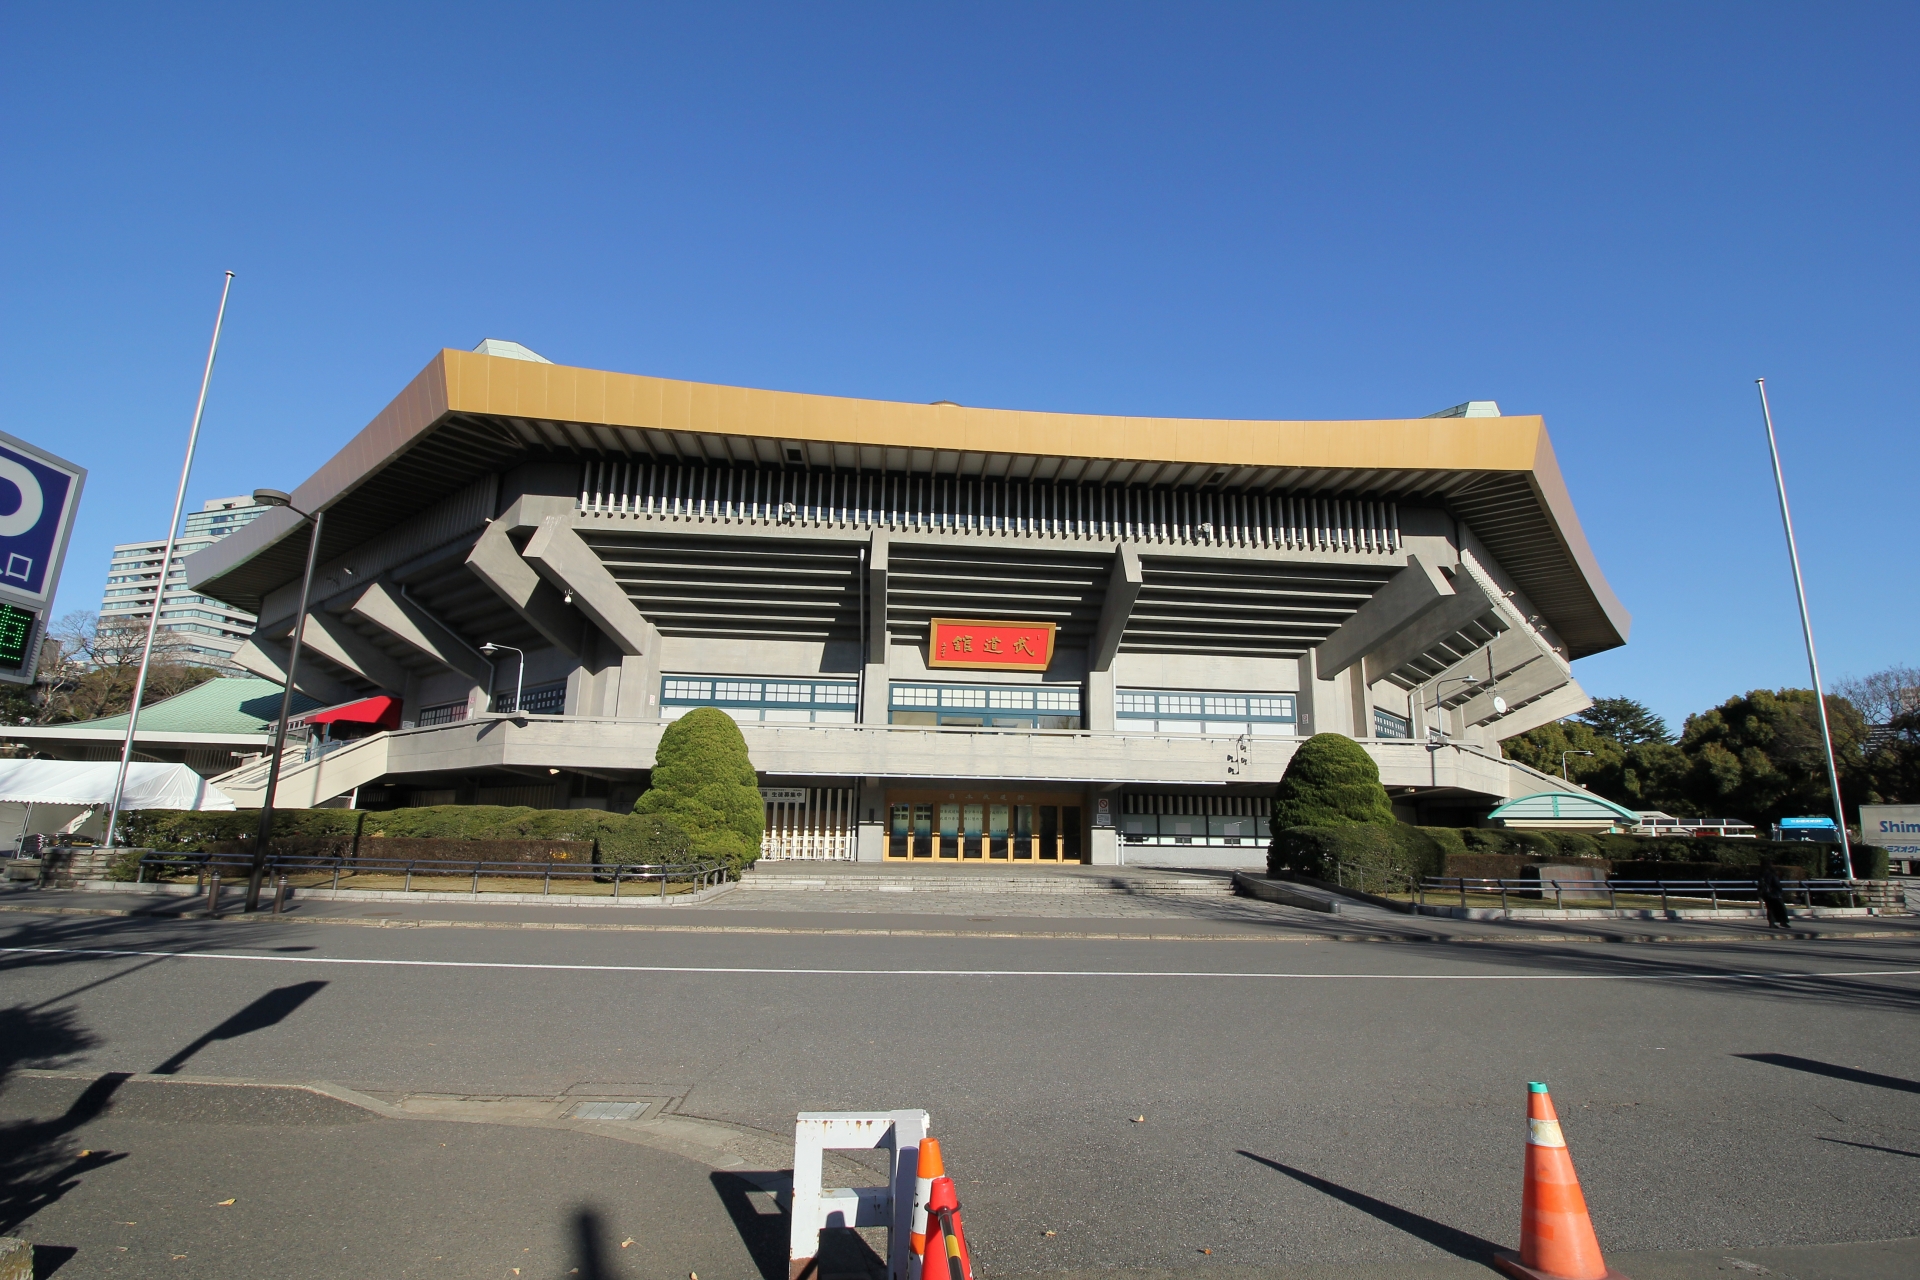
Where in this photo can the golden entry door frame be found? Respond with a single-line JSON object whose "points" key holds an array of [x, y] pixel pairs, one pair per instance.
{"points": [[987, 826]]}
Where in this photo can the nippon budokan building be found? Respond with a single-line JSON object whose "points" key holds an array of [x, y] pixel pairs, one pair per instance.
{"points": [[947, 633]]}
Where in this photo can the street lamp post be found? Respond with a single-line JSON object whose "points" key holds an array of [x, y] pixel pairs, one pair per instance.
{"points": [[1563, 762], [519, 671], [1438, 698], [275, 498]]}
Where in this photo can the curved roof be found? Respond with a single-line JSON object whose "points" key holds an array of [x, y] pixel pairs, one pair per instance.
{"points": [[1564, 806], [468, 414], [225, 704]]}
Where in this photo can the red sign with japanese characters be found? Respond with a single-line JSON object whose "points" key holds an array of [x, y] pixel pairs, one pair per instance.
{"points": [[994, 646]]}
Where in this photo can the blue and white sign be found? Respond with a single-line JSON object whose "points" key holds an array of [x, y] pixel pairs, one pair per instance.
{"points": [[1894, 827], [39, 496], [1806, 822]]}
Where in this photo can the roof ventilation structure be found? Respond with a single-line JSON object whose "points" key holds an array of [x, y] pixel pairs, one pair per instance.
{"points": [[513, 351], [1471, 409]]}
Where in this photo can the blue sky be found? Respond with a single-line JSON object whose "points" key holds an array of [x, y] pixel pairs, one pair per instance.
{"points": [[1615, 216]]}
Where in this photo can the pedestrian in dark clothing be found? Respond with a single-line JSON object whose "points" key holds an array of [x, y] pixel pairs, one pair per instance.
{"points": [[1773, 896]]}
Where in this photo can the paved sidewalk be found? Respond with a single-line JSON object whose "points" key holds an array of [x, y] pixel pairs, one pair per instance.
{"points": [[1144, 916]]}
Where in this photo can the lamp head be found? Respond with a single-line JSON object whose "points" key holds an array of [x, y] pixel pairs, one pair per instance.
{"points": [[272, 498], [489, 648]]}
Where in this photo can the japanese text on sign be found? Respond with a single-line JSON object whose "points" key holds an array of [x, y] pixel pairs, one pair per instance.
{"points": [[1001, 646]]}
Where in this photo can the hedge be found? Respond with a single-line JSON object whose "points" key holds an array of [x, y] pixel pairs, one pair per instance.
{"points": [[622, 838], [1370, 857], [1370, 853]]}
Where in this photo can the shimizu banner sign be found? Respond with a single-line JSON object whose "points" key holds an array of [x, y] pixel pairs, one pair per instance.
{"points": [[39, 495], [990, 646], [1894, 827]]}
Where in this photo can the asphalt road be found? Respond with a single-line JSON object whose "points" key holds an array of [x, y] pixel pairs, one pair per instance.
{"points": [[1304, 1104]]}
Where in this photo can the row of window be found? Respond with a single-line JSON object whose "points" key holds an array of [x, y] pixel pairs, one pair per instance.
{"points": [[1184, 829], [986, 706], [762, 701]]}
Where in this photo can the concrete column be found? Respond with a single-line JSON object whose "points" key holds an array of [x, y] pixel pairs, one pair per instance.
{"points": [[1328, 707], [874, 693], [638, 697], [1099, 700], [1362, 699]]}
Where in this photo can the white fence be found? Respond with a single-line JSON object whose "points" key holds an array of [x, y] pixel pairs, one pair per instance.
{"points": [[809, 823]]}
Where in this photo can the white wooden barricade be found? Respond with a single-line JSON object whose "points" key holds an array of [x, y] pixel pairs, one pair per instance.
{"points": [[891, 1206]]}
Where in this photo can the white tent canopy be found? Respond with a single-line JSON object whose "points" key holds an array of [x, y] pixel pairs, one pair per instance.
{"points": [[88, 784]]}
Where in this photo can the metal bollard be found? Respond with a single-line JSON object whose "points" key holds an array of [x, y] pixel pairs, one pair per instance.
{"points": [[213, 895], [279, 893]]}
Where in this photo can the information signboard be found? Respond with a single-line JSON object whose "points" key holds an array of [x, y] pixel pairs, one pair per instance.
{"points": [[39, 496], [1894, 827], [990, 646]]}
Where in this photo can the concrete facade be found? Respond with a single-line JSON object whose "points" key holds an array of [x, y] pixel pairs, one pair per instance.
{"points": [[1211, 608]]}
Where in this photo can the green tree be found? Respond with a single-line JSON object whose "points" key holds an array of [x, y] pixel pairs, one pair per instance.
{"points": [[1625, 721], [1895, 760], [704, 783], [1640, 775], [1331, 782], [1760, 757]]}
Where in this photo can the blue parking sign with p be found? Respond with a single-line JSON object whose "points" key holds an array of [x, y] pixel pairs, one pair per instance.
{"points": [[38, 494], [33, 507]]}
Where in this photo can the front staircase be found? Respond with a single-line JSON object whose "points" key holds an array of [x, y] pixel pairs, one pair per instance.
{"points": [[1038, 880], [305, 783]]}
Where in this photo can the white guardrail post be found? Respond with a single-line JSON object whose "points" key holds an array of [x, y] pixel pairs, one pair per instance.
{"points": [[815, 1207]]}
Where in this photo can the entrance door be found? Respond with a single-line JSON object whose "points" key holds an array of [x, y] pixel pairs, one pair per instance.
{"points": [[982, 828]]}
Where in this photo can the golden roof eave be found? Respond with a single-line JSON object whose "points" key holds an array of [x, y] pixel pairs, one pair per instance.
{"points": [[468, 384]]}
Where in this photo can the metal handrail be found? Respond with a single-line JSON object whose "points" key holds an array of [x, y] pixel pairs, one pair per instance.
{"points": [[703, 874], [1711, 890]]}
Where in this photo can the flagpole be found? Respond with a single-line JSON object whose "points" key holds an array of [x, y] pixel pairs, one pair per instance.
{"points": [[166, 566], [1806, 627]]}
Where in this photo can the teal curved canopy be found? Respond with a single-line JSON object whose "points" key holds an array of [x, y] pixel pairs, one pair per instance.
{"points": [[1563, 806]]}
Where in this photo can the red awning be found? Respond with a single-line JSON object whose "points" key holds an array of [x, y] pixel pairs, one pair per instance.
{"points": [[381, 712]]}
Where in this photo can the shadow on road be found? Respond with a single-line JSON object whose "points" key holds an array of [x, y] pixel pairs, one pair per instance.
{"points": [[589, 1247], [764, 1234], [269, 1010], [1815, 1067], [1868, 1146], [1462, 1244]]}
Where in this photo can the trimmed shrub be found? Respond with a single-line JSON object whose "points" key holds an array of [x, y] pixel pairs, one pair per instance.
{"points": [[652, 837], [1451, 843], [1513, 844], [704, 783], [1331, 782], [1869, 862], [1369, 857], [1574, 844]]}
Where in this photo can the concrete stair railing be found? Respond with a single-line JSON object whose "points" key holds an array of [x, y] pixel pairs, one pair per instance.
{"points": [[305, 783]]}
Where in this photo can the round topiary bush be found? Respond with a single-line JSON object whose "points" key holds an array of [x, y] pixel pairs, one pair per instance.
{"points": [[704, 784], [1331, 782]]}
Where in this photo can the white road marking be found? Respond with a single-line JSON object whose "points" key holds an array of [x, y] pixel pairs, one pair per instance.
{"points": [[955, 973]]}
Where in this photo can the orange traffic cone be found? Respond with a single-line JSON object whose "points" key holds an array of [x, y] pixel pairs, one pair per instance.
{"points": [[1556, 1235], [946, 1235], [929, 1167]]}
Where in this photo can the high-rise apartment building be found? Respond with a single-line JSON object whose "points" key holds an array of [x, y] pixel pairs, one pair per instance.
{"points": [[205, 631]]}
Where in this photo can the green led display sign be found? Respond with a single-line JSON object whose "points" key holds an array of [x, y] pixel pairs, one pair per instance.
{"points": [[16, 637]]}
